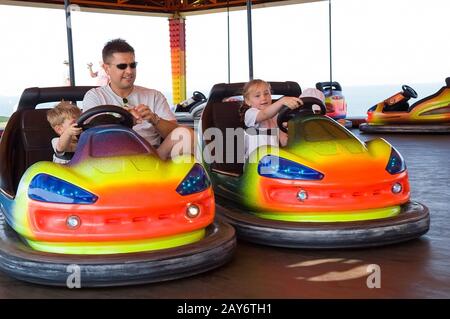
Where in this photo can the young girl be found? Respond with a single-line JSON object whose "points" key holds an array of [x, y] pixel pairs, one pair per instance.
{"points": [[258, 112]]}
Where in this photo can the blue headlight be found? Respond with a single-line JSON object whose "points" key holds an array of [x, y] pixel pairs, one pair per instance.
{"points": [[278, 167], [195, 181], [396, 163], [46, 188]]}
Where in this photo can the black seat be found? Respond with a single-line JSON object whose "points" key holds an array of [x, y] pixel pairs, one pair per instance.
{"points": [[26, 140], [34, 96], [397, 107], [27, 135], [225, 115]]}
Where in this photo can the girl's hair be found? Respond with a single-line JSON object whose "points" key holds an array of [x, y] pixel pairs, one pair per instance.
{"points": [[246, 92], [63, 110]]}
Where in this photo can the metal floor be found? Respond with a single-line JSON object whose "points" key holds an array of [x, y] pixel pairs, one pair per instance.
{"points": [[415, 269]]}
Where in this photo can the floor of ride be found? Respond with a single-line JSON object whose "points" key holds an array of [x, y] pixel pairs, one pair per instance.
{"points": [[415, 269]]}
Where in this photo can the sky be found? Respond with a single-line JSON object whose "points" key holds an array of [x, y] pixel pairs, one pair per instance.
{"points": [[373, 43]]}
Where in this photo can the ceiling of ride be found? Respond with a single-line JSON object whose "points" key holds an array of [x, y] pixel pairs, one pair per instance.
{"points": [[159, 6]]}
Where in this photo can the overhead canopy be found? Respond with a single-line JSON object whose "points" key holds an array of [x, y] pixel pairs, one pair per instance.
{"points": [[157, 6]]}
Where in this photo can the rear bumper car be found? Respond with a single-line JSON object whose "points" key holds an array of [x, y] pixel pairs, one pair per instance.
{"points": [[307, 195], [394, 115]]}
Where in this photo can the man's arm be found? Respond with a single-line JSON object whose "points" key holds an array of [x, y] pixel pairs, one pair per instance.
{"points": [[163, 126]]}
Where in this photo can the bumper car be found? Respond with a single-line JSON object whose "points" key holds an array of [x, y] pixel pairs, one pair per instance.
{"points": [[394, 115], [334, 99], [335, 102], [189, 111], [115, 211], [306, 195]]}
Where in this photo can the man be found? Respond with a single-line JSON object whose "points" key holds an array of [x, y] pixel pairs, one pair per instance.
{"points": [[153, 118]]}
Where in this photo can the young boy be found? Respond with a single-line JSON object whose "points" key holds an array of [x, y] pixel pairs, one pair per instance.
{"points": [[62, 119]]}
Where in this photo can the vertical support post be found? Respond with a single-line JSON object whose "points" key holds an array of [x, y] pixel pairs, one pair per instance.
{"points": [[250, 40], [228, 41], [178, 58], [329, 28], [69, 42]]}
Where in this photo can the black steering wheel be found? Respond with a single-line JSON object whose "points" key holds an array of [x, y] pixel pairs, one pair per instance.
{"points": [[105, 114], [409, 92], [287, 114], [198, 96]]}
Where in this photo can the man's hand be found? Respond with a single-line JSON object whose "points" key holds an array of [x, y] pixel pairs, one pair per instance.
{"points": [[143, 113], [146, 114], [137, 117]]}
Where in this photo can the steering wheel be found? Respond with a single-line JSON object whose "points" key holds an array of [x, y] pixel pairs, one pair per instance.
{"points": [[104, 114], [409, 92], [287, 114], [198, 96]]}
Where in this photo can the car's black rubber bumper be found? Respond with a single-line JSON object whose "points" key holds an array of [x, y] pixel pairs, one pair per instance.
{"points": [[405, 128], [20, 261], [412, 222]]}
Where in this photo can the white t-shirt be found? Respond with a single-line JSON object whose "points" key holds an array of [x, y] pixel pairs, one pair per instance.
{"points": [[154, 99], [60, 157], [253, 141]]}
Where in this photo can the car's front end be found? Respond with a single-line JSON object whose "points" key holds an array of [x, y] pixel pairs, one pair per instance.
{"points": [[115, 205]]}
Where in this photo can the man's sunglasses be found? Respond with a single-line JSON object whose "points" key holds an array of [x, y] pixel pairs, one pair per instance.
{"points": [[123, 66]]}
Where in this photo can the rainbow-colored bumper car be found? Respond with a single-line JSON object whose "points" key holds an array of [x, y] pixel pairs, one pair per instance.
{"points": [[395, 115], [116, 211], [334, 99], [325, 189]]}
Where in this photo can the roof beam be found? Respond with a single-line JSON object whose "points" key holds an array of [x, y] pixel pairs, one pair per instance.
{"points": [[158, 6]]}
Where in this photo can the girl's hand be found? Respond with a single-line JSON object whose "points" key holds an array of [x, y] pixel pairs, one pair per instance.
{"points": [[291, 102]]}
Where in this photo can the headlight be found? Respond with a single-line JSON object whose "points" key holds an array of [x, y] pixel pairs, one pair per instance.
{"points": [[278, 167], [47, 188], [194, 182], [396, 163]]}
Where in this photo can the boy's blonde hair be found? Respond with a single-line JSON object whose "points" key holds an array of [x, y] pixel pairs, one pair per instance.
{"points": [[63, 110]]}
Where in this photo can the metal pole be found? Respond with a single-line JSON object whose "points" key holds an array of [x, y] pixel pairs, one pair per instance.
{"points": [[228, 33], [69, 42], [329, 26], [250, 44]]}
